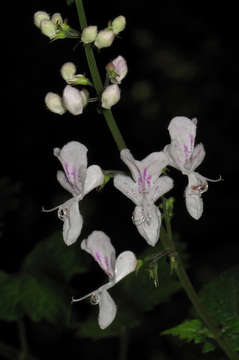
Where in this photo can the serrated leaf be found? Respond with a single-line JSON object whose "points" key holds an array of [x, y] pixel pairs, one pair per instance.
{"points": [[54, 259], [189, 330], [221, 299]]}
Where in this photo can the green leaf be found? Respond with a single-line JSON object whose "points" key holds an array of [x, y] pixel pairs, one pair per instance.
{"points": [[221, 299], [69, 2], [10, 286], [54, 259], [39, 298], [189, 330]]}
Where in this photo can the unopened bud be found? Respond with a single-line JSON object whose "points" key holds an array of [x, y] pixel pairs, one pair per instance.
{"points": [[74, 100], [104, 38], [117, 70], [48, 28], [89, 34], [39, 16], [54, 103], [57, 19], [110, 96], [68, 71], [79, 79], [118, 24]]}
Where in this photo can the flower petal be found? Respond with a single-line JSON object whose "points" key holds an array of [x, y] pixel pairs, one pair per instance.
{"points": [[126, 263], [129, 160], [98, 245], [182, 132], [162, 185], [73, 100], [148, 222], [128, 187], [73, 221], [74, 161], [197, 156], [154, 163], [94, 178], [107, 309], [196, 186], [62, 179]]}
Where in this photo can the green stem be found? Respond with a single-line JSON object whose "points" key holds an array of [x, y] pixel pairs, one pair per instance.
{"points": [[95, 75], [23, 340], [167, 241], [166, 237]]}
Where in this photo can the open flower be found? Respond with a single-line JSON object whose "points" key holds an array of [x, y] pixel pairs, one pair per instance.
{"points": [[144, 189], [78, 179], [184, 156], [98, 245]]}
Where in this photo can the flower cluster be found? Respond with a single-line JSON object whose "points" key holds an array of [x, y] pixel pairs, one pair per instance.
{"points": [[104, 38], [146, 181], [53, 26]]}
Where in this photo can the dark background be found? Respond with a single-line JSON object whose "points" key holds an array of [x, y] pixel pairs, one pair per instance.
{"points": [[183, 60]]}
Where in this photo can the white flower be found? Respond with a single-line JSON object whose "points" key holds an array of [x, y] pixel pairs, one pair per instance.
{"points": [[74, 100], [184, 156], [39, 16], [118, 24], [117, 69], [104, 38], [48, 28], [79, 180], [89, 34], [99, 246], [110, 96], [68, 71], [144, 189], [54, 103]]}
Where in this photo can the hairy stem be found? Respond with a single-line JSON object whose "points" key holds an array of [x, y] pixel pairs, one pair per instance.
{"points": [[166, 236], [95, 75]]}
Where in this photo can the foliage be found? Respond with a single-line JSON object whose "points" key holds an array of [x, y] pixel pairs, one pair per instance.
{"points": [[40, 289], [221, 299]]}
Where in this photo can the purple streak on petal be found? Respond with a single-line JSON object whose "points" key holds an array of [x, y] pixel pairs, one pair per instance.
{"points": [[98, 258], [106, 263], [73, 173], [191, 141], [66, 170], [140, 184]]}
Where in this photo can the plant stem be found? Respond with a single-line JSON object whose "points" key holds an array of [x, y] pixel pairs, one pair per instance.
{"points": [[95, 75], [23, 340], [166, 236], [167, 241]]}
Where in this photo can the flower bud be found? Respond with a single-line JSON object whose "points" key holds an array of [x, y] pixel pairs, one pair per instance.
{"points": [[89, 34], [39, 16], [118, 24], [74, 100], [57, 19], [117, 69], [68, 71], [104, 38], [79, 79], [110, 96], [48, 28], [54, 103]]}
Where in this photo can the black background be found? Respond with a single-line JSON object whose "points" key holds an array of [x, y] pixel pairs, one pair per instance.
{"points": [[183, 60]]}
